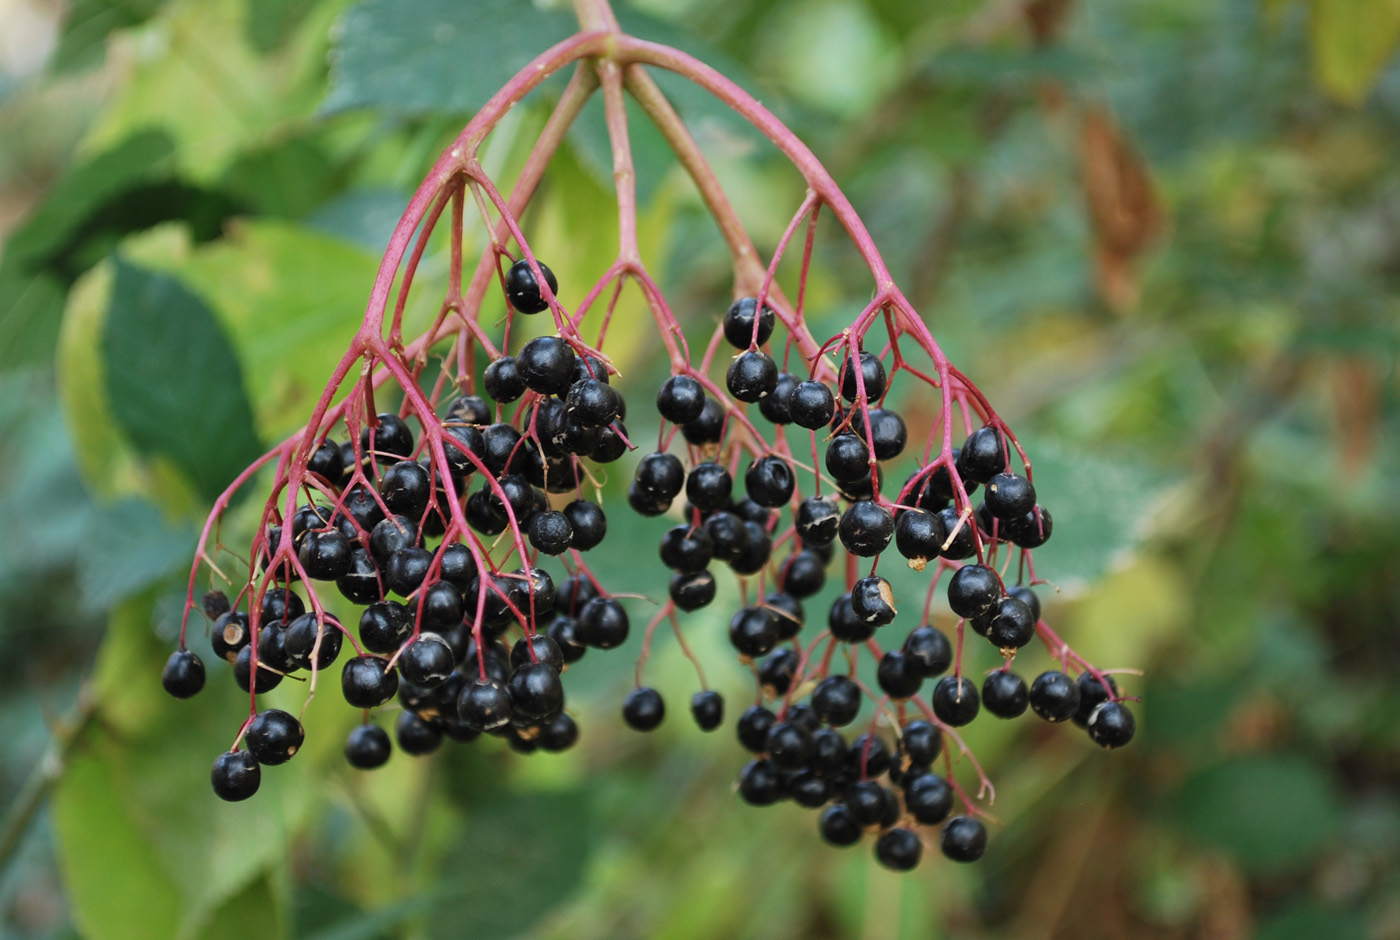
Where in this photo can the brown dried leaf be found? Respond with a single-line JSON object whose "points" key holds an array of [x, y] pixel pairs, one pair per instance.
{"points": [[1124, 210]]}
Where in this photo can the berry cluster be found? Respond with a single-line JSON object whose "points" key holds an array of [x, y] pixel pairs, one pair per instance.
{"points": [[455, 527]]}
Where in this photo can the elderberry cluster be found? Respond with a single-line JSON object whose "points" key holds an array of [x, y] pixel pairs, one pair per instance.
{"points": [[436, 613], [865, 783], [417, 532]]}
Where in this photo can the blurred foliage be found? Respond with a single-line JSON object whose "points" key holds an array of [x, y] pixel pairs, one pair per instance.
{"points": [[1163, 236]]}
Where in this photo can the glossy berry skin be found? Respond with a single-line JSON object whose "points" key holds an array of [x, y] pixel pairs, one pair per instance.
{"points": [[325, 555], [603, 623], [235, 776], [274, 736], [547, 363], [368, 747], [550, 532], [898, 849], [983, 455], [1111, 725], [1008, 624], [872, 374], [973, 589], [811, 405], [769, 482], [961, 538], [589, 524], [243, 669], [1026, 596], [391, 535], [753, 631], [897, 678], [836, 699], [707, 708], [484, 706], [183, 675], [415, 735], [405, 488], [643, 709], [523, 288], [427, 661], [384, 627], [789, 745], [661, 475], [539, 649], [406, 570], [964, 839], [775, 406], [390, 439], [558, 733], [692, 591], [759, 784], [752, 728], [955, 701], [803, 574], [866, 529], [729, 536], [739, 323], [1004, 694], [365, 683], [847, 458], [535, 690], [686, 549], [469, 409], [709, 427], [1009, 496], [680, 399], [888, 433], [843, 623], [1031, 530], [918, 536], [441, 605], [327, 462], [300, 641], [921, 742], [818, 520], [708, 487], [867, 802], [360, 583], [929, 799], [752, 376], [592, 403], [1054, 696], [838, 827], [928, 651], [503, 380], [872, 599], [1091, 695]]}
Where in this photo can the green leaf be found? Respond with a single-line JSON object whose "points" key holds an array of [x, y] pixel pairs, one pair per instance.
{"points": [[87, 26], [133, 899], [174, 384], [1272, 812], [146, 848], [1352, 40], [129, 547], [532, 848], [1091, 535], [289, 300], [210, 91], [31, 311], [1307, 921], [424, 56], [364, 217]]}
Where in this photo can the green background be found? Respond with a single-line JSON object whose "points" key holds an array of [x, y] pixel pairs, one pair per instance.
{"points": [[193, 196]]}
